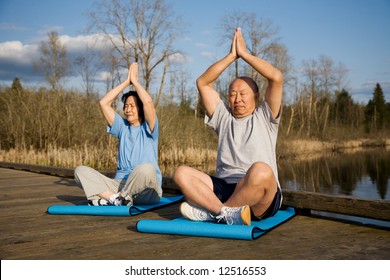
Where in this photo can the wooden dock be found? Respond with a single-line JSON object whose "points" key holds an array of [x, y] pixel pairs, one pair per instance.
{"points": [[28, 232]]}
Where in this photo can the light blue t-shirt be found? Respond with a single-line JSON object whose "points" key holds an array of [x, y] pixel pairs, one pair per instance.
{"points": [[137, 145]]}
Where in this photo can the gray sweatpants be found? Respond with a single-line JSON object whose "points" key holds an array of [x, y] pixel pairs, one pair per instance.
{"points": [[141, 187]]}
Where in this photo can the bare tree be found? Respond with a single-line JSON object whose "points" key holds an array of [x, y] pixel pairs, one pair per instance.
{"points": [[229, 23], [311, 72], [142, 31], [262, 41], [182, 87], [88, 69], [326, 74], [341, 72], [53, 61]]}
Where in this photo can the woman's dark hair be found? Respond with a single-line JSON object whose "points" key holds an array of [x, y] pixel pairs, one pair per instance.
{"points": [[139, 103]]}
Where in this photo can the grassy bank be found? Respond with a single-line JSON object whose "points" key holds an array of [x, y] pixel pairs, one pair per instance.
{"points": [[66, 129], [170, 157], [304, 149]]}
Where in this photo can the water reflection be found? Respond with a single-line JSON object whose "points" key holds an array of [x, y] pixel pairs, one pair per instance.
{"points": [[363, 174]]}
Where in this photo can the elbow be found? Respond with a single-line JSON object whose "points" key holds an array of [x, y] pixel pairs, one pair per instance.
{"points": [[199, 82], [101, 103], [278, 77], [148, 103]]}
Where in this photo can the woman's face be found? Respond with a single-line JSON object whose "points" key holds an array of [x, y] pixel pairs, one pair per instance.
{"points": [[131, 111]]}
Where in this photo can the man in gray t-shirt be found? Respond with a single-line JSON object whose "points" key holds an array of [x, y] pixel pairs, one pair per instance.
{"points": [[246, 184]]}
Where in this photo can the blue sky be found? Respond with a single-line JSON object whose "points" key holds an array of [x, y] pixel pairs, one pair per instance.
{"points": [[355, 33]]}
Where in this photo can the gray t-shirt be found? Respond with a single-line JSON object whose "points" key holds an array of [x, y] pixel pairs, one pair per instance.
{"points": [[244, 141]]}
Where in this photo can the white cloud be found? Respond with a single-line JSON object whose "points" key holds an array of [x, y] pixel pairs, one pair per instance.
{"points": [[102, 76], [16, 52], [201, 45], [179, 58], [206, 54], [16, 57], [81, 42]]}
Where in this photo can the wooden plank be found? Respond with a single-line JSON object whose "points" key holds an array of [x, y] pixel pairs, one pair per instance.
{"points": [[65, 172], [28, 232], [306, 201], [374, 209], [57, 171]]}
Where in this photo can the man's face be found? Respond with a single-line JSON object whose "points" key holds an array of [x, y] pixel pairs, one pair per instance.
{"points": [[242, 99], [131, 111]]}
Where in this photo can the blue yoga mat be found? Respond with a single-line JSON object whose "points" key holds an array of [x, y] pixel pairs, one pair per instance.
{"points": [[110, 210], [182, 226]]}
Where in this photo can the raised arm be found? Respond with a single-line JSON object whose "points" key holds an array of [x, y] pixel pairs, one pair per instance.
{"points": [[274, 91], [205, 82], [147, 101], [107, 100]]}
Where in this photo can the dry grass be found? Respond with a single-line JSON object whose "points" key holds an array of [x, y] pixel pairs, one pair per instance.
{"points": [[70, 158], [104, 158], [305, 149], [190, 155]]}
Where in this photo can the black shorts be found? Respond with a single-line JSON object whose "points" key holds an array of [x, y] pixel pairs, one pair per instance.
{"points": [[224, 191]]}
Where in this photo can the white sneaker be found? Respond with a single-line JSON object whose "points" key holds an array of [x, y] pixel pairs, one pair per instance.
{"points": [[235, 215], [98, 202], [194, 213], [116, 200]]}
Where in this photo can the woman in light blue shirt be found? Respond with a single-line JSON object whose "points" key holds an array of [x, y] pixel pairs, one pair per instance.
{"points": [[138, 178]]}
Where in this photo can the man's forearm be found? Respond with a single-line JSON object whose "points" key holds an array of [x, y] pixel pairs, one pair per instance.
{"points": [[263, 67], [215, 70]]}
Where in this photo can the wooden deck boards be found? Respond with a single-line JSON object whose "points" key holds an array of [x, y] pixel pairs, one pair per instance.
{"points": [[28, 232]]}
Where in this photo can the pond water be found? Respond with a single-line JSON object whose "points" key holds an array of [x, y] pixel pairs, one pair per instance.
{"points": [[364, 174], [361, 174]]}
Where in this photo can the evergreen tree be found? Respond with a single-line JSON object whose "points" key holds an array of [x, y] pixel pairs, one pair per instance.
{"points": [[16, 85], [376, 110], [344, 108]]}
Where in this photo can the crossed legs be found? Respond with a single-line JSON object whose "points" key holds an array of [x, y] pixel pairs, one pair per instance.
{"points": [[256, 189]]}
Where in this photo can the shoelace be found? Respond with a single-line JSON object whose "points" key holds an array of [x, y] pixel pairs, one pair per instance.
{"points": [[225, 218], [222, 218]]}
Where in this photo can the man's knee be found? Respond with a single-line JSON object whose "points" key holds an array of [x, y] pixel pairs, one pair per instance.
{"points": [[261, 172], [180, 174]]}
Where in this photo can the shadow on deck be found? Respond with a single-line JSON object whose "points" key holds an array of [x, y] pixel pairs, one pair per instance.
{"points": [[28, 232]]}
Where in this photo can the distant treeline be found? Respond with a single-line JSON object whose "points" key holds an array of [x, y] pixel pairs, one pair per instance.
{"points": [[326, 116], [42, 120]]}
